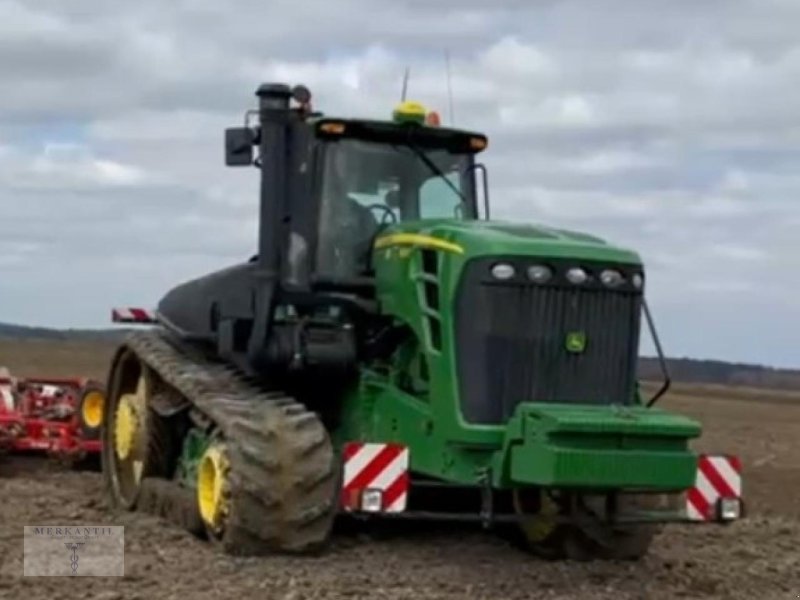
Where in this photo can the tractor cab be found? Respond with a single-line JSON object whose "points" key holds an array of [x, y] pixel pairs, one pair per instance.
{"points": [[346, 180], [377, 174]]}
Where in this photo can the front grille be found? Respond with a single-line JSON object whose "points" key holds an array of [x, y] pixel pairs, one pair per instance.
{"points": [[512, 341]]}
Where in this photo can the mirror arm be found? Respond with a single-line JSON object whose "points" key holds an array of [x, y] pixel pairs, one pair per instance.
{"points": [[662, 361]]}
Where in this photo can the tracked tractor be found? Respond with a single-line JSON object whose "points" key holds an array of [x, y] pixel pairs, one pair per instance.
{"points": [[390, 352]]}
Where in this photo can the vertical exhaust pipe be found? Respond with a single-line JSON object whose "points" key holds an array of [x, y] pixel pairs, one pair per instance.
{"points": [[273, 108]]}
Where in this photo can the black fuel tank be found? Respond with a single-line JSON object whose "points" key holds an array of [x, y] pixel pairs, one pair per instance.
{"points": [[195, 306]]}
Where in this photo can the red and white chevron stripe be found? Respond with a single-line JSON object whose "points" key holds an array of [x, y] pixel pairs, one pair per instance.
{"points": [[371, 466], [718, 476], [133, 315]]}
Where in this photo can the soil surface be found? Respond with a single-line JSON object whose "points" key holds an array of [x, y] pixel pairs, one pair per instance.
{"points": [[758, 557]]}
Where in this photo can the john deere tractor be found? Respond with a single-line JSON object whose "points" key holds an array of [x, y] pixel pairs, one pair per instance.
{"points": [[391, 352]]}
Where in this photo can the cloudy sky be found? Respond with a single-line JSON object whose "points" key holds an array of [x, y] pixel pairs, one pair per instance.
{"points": [[671, 127]]}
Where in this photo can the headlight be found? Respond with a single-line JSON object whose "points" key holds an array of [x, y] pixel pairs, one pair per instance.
{"points": [[611, 278], [539, 273], [503, 271], [637, 281], [577, 276]]}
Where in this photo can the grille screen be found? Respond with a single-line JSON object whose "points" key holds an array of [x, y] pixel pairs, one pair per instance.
{"points": [[517, 342]]}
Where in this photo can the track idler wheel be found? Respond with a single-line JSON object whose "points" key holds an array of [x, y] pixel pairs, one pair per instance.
{"points": [[213, 489], [134, 438], [569, 527], [539, 530]]}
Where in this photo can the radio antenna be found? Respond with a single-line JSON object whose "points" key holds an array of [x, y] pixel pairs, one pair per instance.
{"points": [[405, 85], [449, 87]]}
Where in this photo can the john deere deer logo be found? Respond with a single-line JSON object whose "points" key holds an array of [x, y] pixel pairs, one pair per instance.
{"points": [[576, 342]]}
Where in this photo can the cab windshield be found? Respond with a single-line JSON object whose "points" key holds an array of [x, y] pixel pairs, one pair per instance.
{"points": [[369, 185]]}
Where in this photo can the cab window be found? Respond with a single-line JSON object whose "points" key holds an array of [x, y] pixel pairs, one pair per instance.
{"points": [[367, 186]]}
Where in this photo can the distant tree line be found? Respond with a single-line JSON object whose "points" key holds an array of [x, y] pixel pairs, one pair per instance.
{"points": [[687, 370], [45, 333], [690, 370]]}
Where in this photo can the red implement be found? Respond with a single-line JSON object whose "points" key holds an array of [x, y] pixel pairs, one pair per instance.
{"points": [[59, 417]]}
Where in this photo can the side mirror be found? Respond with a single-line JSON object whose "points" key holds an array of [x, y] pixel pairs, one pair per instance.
{"points": [[484, 187], [238, 147]]}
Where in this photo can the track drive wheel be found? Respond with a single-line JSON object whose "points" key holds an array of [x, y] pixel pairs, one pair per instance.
{"points": [[270, 486], [547, 534], [135, 440]]}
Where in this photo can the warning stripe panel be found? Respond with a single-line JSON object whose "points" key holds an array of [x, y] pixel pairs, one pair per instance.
{"points": [[365, 477], [729, 473], [133, 315], [713, 474], [697, 507], [394, 497], [360, 460], [718, 476], [375, 466]]}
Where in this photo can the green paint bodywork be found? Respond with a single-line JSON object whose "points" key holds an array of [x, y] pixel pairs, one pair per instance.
{"points": [[195, 444], [599, 447]]}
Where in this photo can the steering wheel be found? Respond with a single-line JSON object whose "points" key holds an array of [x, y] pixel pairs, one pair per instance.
{"points": [[386, 212]]}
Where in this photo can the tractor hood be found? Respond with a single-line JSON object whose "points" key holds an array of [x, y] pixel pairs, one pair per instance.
{"points": [[485, 238]]}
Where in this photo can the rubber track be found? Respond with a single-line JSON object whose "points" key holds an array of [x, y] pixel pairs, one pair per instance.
{"points": [[282, 478]]}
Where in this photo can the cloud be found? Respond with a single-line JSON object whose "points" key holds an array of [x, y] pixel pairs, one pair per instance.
{"points": [[63, 167], [667, 128]]}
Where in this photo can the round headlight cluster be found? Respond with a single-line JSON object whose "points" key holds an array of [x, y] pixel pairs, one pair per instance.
{"points": [[539, 273], [577, 276], [503, 271], [611, 278]]}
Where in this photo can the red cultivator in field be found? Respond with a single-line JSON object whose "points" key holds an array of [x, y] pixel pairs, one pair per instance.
{"points": [[59, 417]]}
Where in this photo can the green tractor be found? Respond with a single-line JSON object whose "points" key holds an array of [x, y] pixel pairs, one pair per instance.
{"points": [[392, 353]]}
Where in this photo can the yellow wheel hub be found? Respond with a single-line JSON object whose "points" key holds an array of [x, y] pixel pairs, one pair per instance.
{"points": [[126, 427], [92, 411], [129, 422], [538, 526], [212, 486]]}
